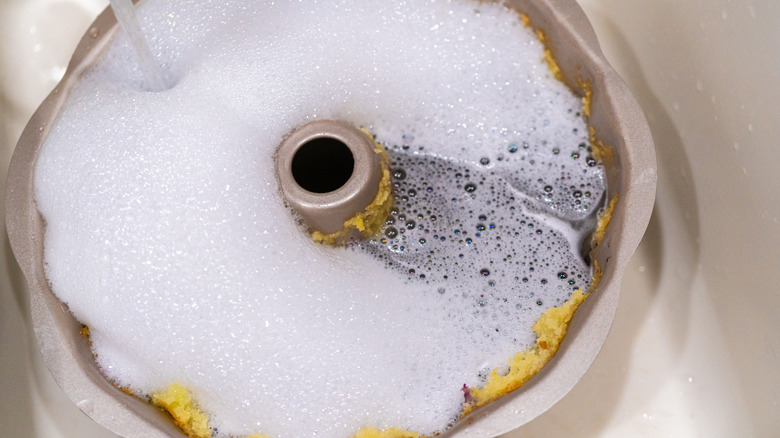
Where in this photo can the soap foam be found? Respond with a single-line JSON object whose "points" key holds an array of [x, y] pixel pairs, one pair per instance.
{"points": [[166, 233]]}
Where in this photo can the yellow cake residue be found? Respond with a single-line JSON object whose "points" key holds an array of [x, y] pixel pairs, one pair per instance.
{"points": [[370, 432], [178, 402], [597, 274], [604, 218], [550, 330], [587, 96], [126, 390], [549, 58], [258, 435], [369, 221], [601, 151]]}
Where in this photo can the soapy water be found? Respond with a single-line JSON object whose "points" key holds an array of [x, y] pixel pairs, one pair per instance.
{"points": [[166, 233], [467, 230]]}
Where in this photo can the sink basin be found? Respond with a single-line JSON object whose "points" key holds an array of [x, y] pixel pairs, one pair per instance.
{"points": [[662, 369]]}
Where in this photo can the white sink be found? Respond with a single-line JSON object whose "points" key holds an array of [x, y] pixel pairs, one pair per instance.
{"points": [[693, 350]]}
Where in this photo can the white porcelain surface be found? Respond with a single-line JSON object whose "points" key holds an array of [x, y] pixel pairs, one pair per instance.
{"points": [[694, 348]]}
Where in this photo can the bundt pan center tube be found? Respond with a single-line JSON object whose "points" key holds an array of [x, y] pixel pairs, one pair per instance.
{"points": [[328, 171], [614, 116]]}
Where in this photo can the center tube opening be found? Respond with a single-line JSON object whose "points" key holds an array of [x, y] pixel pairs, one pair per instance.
{"points": [[322, 165]]}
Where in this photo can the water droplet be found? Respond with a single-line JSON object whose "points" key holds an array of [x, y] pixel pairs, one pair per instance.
{"points": [[577, 194], [512, 149], [470, 187], [548, 189], [556, 151], [575, 155], [562, 275], [391, 232], [484, 272], [399, 174], [484, 161], [480, 227], [410, 225]]}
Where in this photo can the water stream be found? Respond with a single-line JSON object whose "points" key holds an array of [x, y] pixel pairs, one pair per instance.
{"points": [[124, 10]]}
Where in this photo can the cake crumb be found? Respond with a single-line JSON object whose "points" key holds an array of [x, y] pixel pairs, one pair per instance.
{"points": [[370, 432], [604, 218], [587, 96], [177, 401], [601, 151]]}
